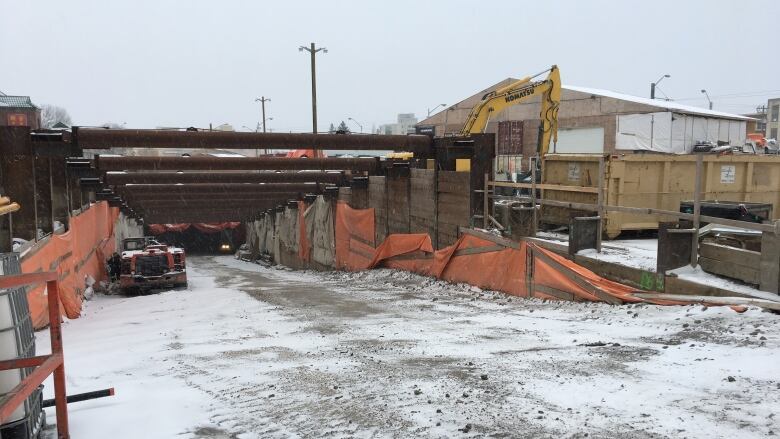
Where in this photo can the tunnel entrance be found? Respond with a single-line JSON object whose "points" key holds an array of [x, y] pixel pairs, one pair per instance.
{"points": [[200, 238]]}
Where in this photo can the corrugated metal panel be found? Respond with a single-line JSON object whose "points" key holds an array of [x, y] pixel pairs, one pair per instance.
{"points": [[510, 137]]}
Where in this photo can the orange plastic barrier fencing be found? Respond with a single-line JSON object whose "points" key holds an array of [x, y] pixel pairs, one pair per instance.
{"points": [[354, 237], [484, 264], [521, 269], [410, 252], [73, 255]]}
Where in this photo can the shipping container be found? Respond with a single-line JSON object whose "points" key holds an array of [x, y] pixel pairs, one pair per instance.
{"points": [[658, 181]]}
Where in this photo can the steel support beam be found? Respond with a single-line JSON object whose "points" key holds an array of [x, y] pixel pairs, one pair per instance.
{"points": [[145, 205], [59, 190], [91, 138], [17, 178], [43, 194], [223, 177], [167, 216], [192, 198], [105, 164], [208, 188]]}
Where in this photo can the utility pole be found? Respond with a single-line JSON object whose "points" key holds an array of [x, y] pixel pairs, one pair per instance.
{"points": [[262, 101], [313, 51]]}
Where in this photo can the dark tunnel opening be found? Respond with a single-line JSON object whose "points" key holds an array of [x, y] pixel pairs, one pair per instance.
{"points": [[197, 242]]}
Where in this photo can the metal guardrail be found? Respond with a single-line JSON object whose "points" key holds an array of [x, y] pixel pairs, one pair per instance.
{"points": [[44, 365]]}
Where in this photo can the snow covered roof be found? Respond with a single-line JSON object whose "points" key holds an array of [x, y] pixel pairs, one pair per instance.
{"points": [[669, 105], [16, 101]]}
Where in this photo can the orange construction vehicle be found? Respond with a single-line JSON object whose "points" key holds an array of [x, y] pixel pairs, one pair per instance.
{"points": [[146, 264]]}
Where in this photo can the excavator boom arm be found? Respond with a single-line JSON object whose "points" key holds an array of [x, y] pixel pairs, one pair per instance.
{"points": [[518, 92]]}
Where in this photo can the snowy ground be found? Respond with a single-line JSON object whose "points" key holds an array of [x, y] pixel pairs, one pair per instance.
{"points": [[252, 352]]}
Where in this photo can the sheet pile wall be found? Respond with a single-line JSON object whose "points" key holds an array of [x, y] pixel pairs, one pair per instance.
{"points": [[344, 238]]}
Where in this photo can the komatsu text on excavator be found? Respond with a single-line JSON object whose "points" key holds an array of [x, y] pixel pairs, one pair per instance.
{"points": [[518, 92]]}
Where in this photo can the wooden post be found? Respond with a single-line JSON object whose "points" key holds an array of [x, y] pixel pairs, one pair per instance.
{"points": [[435, 206], [696, 211], [387, 210], [485, 202], [532, 161], [52, 289], [600, 204]]}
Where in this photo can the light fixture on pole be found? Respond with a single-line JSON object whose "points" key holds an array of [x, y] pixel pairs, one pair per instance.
{"points": [[313, 51], [431, 110], [262, 101], [356, 123], [653, 85], [708, 97]]}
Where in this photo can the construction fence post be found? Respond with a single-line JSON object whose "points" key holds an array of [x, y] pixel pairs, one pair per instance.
{"points": [[532, 161], [600, 204], [485, 203], [60, 394], [696, 210]]}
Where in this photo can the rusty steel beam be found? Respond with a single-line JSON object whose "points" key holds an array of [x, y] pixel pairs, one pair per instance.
{"points": [[92, 138], [162, 216], [194, 211], [105, 164], [143, 197], [228, 188], [222, 177], [200, 205]]}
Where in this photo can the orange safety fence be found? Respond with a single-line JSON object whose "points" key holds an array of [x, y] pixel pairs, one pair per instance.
{"points": [[410, 252], [354, 236], [483, 263], [74, 255], [517, 268]]}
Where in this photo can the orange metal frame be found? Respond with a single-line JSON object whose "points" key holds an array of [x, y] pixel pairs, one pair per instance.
{"points": [[44, 364]]}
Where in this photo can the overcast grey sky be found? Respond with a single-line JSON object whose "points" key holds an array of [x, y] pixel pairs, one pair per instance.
{"points": [[191, 63]]}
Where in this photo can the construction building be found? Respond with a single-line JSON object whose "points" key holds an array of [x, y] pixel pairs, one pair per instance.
{"points": [[19, 111], [772, 118], [598, 121]]}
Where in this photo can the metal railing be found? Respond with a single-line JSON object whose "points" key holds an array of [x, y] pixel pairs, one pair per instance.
{"points": [[44, 365]]}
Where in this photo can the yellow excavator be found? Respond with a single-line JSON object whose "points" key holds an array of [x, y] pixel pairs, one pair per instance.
{"points": [[518, 92], [515, 93]]}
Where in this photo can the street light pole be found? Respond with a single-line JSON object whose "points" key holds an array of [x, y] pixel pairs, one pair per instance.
{"points": [[654, 84], [708, 97], [313, 51], [356, 123], [431, 110], [262, 101]]}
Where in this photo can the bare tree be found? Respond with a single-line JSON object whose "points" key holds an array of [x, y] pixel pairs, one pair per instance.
{"points": [[52, 114]]}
